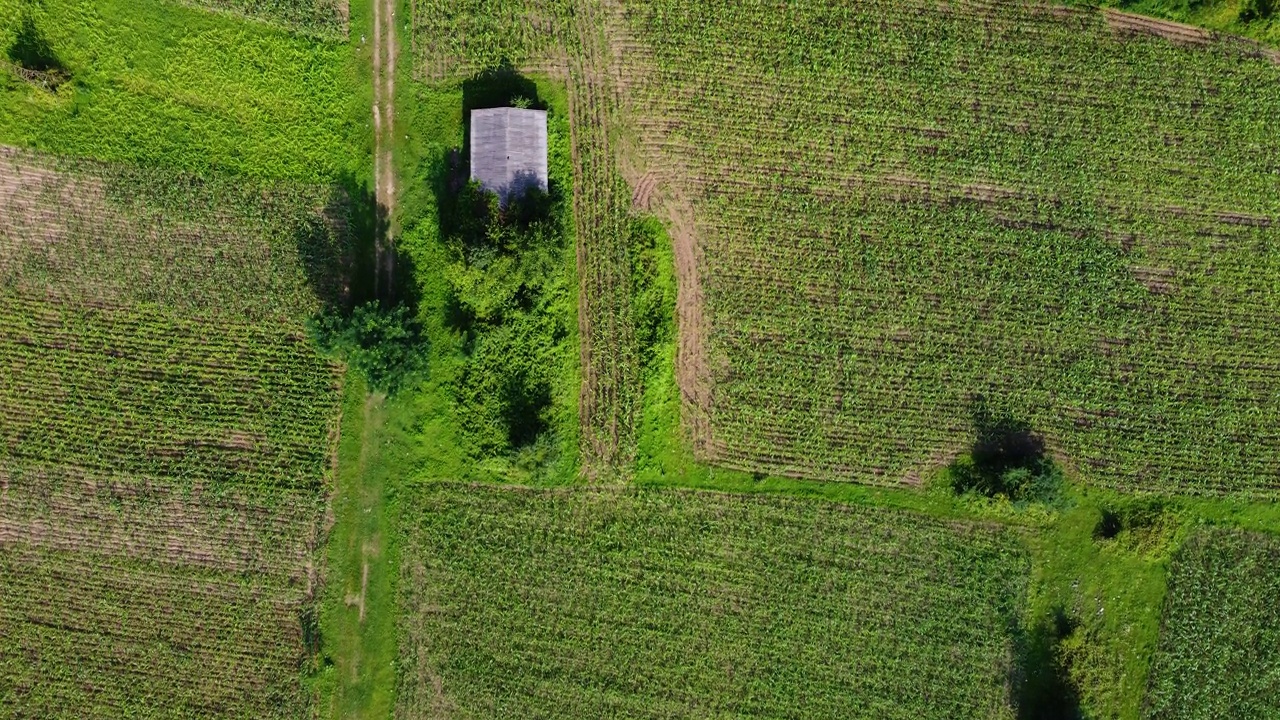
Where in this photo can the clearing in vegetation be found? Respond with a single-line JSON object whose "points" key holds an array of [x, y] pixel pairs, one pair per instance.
{"points": [[524, 603], [1219, 651], [900, 208], [166, 437]]}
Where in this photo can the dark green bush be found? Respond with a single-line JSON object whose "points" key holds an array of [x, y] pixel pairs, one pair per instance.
{"points": [[1256, 10], [381, 343], [1007, 459]]}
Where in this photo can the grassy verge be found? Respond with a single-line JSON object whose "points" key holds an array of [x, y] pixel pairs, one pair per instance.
{"points": [[358, 613], [1257, 19]]}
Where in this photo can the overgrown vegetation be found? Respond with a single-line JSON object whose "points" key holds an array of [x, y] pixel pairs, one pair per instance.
{"points": [[381, 343], [1250, 18], [1007, 460], [497, 291], [34, 58], [505, 284]]}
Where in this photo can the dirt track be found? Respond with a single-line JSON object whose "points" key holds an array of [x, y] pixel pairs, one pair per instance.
{"points": [[384, 86]]}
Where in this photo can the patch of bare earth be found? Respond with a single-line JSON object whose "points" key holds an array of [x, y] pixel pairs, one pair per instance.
{"points": [[1124, 23]]}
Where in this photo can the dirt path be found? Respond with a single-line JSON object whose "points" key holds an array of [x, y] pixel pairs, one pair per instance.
{"points": [[384, 92]]}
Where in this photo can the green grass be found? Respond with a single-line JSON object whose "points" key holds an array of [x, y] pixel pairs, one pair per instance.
{"points": [[156, 83], [356, 677], [660, 603], [1220, 15], [1219, 651]]}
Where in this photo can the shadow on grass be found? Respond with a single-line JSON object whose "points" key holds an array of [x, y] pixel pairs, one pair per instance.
{"points": [[34, 56], [369, 310], [1043, 686]]}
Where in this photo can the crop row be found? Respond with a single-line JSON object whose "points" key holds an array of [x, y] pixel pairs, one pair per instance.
{"points": [[147, 392], [236, 530], [662, 604], [1217, 654], [80, 231], [83, 635], [610, 363], [453, 39]]}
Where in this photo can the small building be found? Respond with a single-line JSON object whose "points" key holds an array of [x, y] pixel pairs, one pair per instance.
{"points": [[509, 150]]}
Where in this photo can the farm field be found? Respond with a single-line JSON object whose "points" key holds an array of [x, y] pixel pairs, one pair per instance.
{"points": [[531, 603], [860, 360], [895, 210], [1218, 654], [166, 433], [165, 84]]}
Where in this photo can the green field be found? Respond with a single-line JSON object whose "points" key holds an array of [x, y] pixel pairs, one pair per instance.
{"points": [[160, 84], [1219, 653], [167, 426], [862, 360], [899, 210], [521, 603]]}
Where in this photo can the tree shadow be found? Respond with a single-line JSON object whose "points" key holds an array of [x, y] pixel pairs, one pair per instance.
{"points": [[1007, 458], [1043, 688], [369, 309], [31, 52]]}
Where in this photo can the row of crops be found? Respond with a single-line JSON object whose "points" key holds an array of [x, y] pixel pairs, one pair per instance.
{"points": [[77, 231], [89, 635], [166, 435], [524, 603], [903, 208]]}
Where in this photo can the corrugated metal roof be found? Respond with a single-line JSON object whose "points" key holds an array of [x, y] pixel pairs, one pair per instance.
{"points": [[509, 150]]}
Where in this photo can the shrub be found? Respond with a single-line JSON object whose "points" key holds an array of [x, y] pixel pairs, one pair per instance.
{"points": [[381, 343]]}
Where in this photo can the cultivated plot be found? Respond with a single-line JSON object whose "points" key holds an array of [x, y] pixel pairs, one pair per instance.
{"points": [[1219, 652], [888, 214], [166, 435], [321, 18], [519, 603]]}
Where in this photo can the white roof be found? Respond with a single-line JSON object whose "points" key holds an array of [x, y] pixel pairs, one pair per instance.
{"points": [[509, 150]]}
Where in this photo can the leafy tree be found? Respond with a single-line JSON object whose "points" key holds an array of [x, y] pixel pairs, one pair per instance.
{"points": [[381, 343]]}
